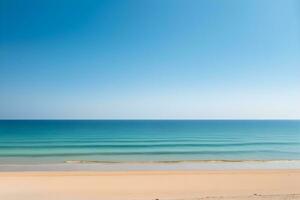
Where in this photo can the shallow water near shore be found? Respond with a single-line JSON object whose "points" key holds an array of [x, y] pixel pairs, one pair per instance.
{"points": [[94, 142], [245, 165]]}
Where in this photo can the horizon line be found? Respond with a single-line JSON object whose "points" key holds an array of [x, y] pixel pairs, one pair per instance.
{"points": [[149, 119]]}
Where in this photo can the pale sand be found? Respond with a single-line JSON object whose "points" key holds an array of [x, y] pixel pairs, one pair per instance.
{"points": [[150, 185]]}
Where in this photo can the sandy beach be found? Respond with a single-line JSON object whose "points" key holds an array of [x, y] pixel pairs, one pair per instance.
{"points": [[144, 185]]}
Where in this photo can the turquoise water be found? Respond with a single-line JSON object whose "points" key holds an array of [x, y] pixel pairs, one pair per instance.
{"points": [[58, 141]]}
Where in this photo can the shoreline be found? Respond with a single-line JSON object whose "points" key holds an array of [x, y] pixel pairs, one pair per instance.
{"points": [[150, 185], [175, 161], [154, 166]]}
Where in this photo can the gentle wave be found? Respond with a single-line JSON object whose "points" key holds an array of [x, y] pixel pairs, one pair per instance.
{"points": [[116, 140], [173, 161], [7, 146], [52, 154]]}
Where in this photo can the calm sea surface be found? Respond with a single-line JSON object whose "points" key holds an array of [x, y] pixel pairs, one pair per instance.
{"points": [[58, 141]]}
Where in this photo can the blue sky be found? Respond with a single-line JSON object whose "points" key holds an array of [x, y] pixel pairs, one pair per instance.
{"points": [[139, 59]]}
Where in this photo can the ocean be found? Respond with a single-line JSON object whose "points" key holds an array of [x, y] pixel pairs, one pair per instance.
{"points": [[147, 141]]}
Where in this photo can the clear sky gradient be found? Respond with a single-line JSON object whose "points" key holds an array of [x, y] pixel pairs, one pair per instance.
{"points": [[140, 59]]}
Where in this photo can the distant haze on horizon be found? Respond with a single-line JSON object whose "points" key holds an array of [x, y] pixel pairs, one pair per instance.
{"points": [[139, 59]]}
